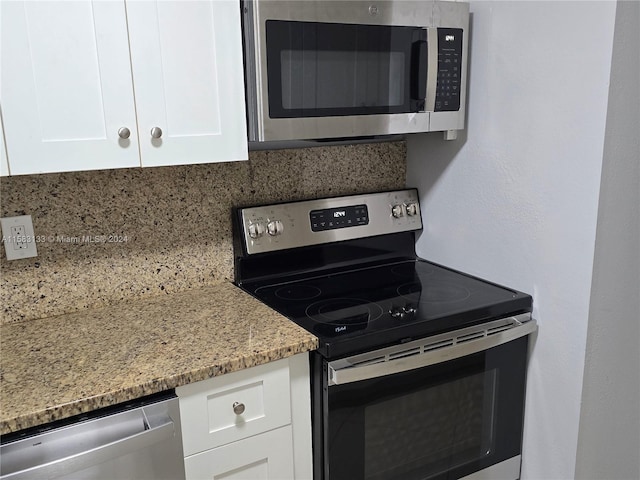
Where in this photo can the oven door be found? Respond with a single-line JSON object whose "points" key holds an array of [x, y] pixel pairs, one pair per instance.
{"points": [[434, 412]]}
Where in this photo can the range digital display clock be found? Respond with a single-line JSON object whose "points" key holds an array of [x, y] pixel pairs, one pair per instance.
{"points": [[343, 217]]}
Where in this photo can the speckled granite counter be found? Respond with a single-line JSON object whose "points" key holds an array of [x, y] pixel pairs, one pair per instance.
{"points": [[58, 367]]}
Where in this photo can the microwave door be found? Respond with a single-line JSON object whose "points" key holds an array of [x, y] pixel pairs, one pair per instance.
{"points": [[326, 80], [319, 69]]}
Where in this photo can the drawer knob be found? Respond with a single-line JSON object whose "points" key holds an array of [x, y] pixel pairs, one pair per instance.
{"points": [[124, 132], [238, 408]]}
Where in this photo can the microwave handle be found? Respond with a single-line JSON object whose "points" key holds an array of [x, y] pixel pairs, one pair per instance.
{"points": [[432, 69], [419, 59]]}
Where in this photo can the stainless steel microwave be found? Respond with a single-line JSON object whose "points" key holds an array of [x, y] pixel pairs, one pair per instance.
{"points": [[321, 69]]}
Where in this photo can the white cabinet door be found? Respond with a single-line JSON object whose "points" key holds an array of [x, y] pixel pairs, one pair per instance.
{"points": [[66, 86], [207, 408], [267, 456], [188, 80]]}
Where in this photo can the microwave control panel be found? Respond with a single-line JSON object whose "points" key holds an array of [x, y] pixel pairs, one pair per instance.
{"points": [[449, 69]]}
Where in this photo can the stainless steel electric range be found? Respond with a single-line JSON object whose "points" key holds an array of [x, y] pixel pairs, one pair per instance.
{"points": [[421, 370]]}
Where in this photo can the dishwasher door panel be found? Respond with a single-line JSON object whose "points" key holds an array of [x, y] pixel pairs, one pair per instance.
{"points": [[140, 443]]}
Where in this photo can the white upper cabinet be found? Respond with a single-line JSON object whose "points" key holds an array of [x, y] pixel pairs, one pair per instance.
{"points": [[70, 70], [66, 86], [188, 79]]}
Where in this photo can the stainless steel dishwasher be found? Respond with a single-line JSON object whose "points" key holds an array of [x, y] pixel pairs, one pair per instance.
{"points": [[135, 440]]}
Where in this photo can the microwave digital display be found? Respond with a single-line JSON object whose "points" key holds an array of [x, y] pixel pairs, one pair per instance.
{"points": [[343, 217]]}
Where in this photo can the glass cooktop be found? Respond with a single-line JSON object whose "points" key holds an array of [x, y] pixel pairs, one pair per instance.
{"points": [[377, 306]]}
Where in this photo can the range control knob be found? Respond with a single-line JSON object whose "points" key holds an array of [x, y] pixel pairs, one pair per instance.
{"points": [[404, 312], [397, 211], [275, 227], [412, 209], [256, 230]]}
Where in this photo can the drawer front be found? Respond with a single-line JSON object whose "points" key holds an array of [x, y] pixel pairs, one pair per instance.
{"points": [[234, 406], [264, 457]]}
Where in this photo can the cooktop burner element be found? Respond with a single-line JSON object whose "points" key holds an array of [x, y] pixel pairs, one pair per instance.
{"points": [[359, 285], [408, 271], [298, 292], [430, 292], [343, 310], [340, 316]]}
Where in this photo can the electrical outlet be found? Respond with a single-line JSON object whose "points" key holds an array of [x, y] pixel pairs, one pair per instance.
{"points": [[18, 237]]}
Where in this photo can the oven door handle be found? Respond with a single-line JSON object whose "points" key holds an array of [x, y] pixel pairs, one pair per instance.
{"points": [[428, 351]]}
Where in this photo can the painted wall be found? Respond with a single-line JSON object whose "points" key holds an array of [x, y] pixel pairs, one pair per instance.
{"points": [[515, 198], [609, 439]]}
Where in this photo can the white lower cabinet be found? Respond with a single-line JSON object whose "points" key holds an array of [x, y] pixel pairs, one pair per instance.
{"points": [[267, 456], [252, 424]]}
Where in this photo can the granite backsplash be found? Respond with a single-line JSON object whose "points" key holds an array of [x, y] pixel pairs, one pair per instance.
{"points": [[109, 235]]}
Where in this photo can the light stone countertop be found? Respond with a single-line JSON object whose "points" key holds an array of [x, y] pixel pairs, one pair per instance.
{"points": [[57, 367]]}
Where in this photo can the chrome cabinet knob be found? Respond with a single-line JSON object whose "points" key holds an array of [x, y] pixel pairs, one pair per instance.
{"points": [[238, 408], [124, 132], [156, 132], [412, 209]]}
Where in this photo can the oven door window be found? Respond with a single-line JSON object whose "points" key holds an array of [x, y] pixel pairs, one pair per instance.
{"points": [[442, 421], [331, 69]]}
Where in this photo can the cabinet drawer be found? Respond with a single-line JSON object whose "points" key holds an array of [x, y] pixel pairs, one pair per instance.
{"points": [[264, 457], [260, 395]]}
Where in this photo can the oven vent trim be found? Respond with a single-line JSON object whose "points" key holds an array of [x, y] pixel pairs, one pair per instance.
{"points": [[371, 361], [498, 329], [405, 353], [437, 345], [430, 350], [470, 336]]}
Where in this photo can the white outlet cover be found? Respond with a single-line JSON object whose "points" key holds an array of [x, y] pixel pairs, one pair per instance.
{"points": [[18, 237]]}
